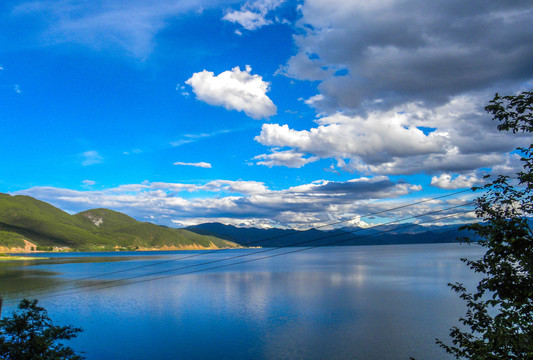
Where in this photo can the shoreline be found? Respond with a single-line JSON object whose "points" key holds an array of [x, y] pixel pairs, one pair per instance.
{"points": [[30, 248], [15, 258], [11, 255]]}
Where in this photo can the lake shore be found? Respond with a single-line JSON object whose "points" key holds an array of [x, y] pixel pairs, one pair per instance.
{"points": [[14, 258], [18, 254], [369, 302], [32, 248]]}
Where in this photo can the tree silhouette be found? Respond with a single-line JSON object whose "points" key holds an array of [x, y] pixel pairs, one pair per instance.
{"points": [[499, 318], [30, 335]]}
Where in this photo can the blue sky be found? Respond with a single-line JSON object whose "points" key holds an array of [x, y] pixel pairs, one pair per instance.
{"points": [[264, 113]]}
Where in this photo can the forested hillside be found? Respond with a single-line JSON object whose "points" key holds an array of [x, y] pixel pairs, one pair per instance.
{"points": [[25, 218]]}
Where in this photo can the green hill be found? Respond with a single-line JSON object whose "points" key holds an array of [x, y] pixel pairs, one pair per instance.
{"points": [[26, 218]]}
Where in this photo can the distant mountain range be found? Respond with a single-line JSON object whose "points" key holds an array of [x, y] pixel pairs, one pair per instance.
{"points": [[30, 224], [347, 236]]}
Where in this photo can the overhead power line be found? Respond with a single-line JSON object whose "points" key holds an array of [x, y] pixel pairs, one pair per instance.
{"points": [[120, 282], [257, 242]]}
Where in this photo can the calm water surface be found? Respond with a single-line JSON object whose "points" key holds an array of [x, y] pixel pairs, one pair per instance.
{"points": [[368, 302]]}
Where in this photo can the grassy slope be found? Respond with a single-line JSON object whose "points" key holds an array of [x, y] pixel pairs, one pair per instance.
{"points": [[11, 239], [130, 232], [42, 222], [47, 225]]}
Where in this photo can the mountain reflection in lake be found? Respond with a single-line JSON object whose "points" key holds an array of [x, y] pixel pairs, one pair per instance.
{"points": [[368, 302]]}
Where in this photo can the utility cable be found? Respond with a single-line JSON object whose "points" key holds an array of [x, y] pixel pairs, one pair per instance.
{"points": [[251, 243], [58, 292], [108, 285]]}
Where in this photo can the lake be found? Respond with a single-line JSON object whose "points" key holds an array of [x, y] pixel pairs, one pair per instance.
{"points": [[362, 302]]}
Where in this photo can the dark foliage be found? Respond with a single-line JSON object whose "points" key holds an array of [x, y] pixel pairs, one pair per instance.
{"points": [[30, 335], [499, 320]]}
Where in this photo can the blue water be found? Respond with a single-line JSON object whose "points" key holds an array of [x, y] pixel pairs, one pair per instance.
{"points": [[367, 302]]}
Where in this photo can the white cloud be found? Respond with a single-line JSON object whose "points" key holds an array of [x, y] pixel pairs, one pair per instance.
{"points": [[17, 89], [234, 90], [241, 201], [252, 15], [91, 157], [198, 164], [215, 186], [183, 90], [127, 25], [247, 19], [288, 158], [429, 164], [446, 181], [88, 182], [376, 139], [402, 84], [238, 187], [244, 223], [313, 99], [511, 167], [189, 138], [412, 138]]}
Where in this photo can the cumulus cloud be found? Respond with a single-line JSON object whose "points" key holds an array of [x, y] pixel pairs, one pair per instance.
{"points": [[250, 222], [234, 90], [446, 181], [252, 15], [455, 137], [510, 167], [303, 206], [247, 19], [429, 164], [198, 164], [237, 187], [374, 139], [395, 52], [402, 84], [91, 157], [288, 158]]}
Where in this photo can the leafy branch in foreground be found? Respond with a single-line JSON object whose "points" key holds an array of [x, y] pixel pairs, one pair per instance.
{"points": [[499, 318], [29, 334]]}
